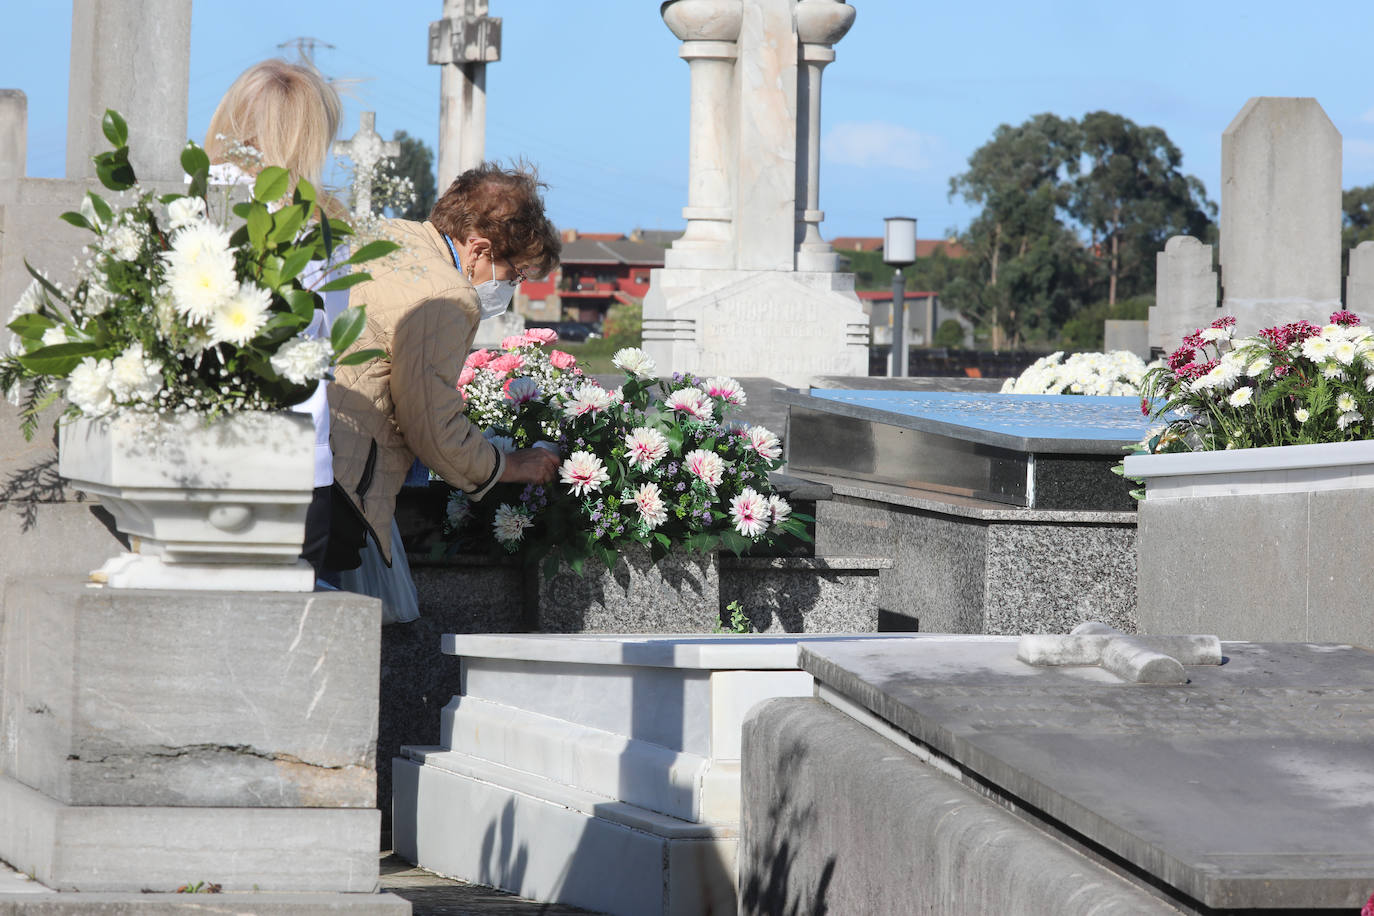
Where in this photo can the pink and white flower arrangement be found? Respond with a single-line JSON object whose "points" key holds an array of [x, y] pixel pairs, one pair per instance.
{"points": [[1293, 384], [508, 390]]}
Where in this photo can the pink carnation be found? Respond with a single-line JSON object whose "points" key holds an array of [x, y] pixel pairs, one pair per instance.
{"points": [[477, 359], [514, 342], [506, 363], [560, 359], [541, 335], [466, 376]]}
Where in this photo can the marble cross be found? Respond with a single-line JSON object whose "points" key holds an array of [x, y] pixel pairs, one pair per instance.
{"points": [[1155, 660], [366, 149]]}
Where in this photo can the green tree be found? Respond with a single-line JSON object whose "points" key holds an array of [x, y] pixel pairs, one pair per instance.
{"points": [[1357, 216], [1023, 262], [415, 162], [1131, 196]]}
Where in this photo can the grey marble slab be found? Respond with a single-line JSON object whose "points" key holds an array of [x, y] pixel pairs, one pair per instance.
{"points": [[1064, 424], [1251, 786]]}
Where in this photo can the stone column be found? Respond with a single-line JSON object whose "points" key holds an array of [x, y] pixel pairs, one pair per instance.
{"points": [[132, 56], [14, 142], [766, 131], [820, 23], [708, 30], [463, 43], [1280, 214]]}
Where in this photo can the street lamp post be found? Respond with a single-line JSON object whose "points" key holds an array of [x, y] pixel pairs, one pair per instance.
{"points": [[899, 250]]}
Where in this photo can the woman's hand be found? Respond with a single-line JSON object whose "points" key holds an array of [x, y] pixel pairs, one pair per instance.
{"points": [[530, 465]]}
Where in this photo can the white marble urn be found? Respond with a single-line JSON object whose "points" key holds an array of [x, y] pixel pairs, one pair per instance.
{"points": [[703, 20], [205, 506]]}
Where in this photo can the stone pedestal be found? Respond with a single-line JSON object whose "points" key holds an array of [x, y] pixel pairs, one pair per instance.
{"points": [[751, 266], [568, 759], [156, 737], [1281, 517], [678, 594]]}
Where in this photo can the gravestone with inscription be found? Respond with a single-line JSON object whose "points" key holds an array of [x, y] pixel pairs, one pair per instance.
{"points": [[955, 777]]}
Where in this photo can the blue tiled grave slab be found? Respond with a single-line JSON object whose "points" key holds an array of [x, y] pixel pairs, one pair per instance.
{"points": [[1037, 451], [1249, 787]]}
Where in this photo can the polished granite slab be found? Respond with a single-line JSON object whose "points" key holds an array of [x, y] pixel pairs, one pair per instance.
{"points": [[1067, 424], [1252, 786], [1050, 452]]}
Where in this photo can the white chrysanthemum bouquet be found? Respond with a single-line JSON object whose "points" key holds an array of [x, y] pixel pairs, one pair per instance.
{"points": [[652, 463], [172, 312], [1116, 373], [1293, 384]]}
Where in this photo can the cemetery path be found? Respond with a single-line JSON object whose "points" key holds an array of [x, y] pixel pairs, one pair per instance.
{"points": [[433, 895]]}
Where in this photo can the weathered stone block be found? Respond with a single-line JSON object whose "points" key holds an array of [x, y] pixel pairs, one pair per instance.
{"points": [[97, 848], [209, 699], [824, 796]]}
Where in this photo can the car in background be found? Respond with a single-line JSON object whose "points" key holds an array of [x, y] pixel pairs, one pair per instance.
{"points": [[571, 331]]}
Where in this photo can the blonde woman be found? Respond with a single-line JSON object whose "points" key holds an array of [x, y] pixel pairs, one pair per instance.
{"points": [[285, 114]]}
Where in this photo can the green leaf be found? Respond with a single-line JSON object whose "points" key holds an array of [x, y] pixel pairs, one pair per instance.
{"points": [[302, 302], [285, 223], [200, 183], [282, 320], [272, 184], [44, 282], [673, 434], [102, 209], [372, 250], [347, 327], [345, 282], [114, 128], [77, 220], [305, 191], [114, 171], [194, 159], [259, 224], [60, 359], [241, 209], [361, 356], [293, 262], [31, 326]]}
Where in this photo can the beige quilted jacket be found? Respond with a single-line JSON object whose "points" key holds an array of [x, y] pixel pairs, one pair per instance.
{"points": [[383, 414]]}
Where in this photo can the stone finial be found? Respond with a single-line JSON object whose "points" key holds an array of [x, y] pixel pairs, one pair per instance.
{"points": [[366, 149], [1156, 660], [1280, 214], [1185, 292], [703, 20], [823, 22]]}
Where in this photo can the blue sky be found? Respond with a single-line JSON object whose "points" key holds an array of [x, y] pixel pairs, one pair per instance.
{"points": [[594, 92]]}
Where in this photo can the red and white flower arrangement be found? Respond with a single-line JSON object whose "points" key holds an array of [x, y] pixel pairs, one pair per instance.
{"points": [[1294, 384]]}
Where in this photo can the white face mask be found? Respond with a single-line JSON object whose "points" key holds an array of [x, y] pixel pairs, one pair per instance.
{"points": [[494, 296]]}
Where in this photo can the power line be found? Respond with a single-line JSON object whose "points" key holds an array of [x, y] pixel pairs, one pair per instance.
{"points": [[305, 47]]}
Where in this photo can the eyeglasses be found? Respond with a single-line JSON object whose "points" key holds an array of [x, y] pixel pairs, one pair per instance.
{"points": [[519, 274]]}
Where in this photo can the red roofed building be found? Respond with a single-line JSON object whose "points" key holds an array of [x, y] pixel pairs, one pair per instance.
{"points": [[598, 269]]}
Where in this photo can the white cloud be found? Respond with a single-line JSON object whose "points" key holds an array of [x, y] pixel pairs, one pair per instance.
{"points": [[870, 144]]}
